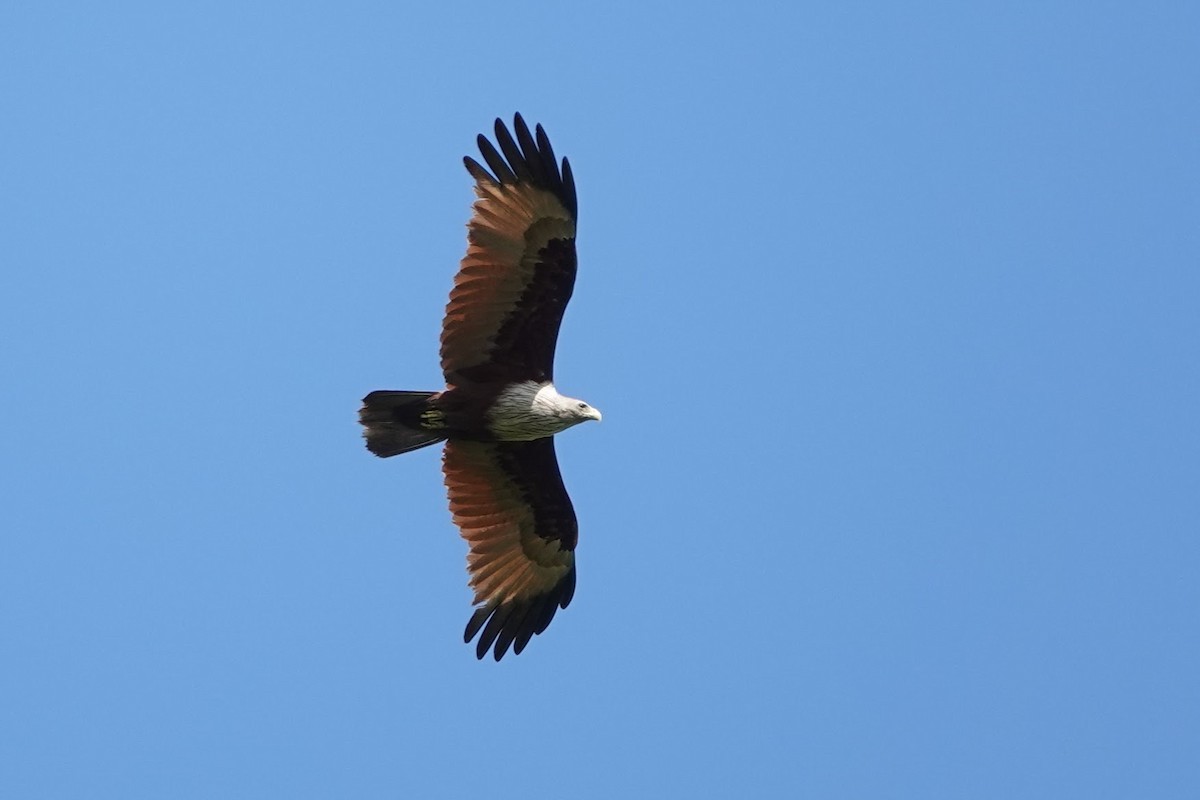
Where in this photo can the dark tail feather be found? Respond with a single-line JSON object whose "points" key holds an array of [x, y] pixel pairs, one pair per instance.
{"points": [[396, 422]]}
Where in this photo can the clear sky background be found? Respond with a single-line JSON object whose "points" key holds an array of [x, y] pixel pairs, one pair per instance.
{"points": [[893, 312]]}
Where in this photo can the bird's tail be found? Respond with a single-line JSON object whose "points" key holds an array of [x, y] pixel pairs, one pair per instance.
{"points": [[396, 422]]}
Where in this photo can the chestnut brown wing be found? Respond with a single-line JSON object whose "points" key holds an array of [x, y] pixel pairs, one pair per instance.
{"points": [[514, 283], [509, 502]]}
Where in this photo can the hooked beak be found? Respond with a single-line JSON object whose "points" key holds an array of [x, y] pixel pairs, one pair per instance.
{"points": [[595, 414]]}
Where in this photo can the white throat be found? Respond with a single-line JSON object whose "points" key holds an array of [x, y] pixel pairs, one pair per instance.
{"points": [[530, 410]]}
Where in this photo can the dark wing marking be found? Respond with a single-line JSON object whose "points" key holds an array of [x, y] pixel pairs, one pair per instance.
{"points": [[509, 501], [513, 285]]}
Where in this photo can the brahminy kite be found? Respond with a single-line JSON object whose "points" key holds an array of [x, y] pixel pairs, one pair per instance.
{"points": [[500, 410]]}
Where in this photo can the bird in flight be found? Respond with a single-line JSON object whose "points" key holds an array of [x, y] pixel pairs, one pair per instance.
{"points": [[500, 409]]}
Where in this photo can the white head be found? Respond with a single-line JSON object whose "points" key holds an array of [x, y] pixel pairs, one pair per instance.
{"points": [[570, 410], [529, 410]]}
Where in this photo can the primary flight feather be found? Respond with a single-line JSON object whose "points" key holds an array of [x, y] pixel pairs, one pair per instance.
{"points": [[500, 410]]}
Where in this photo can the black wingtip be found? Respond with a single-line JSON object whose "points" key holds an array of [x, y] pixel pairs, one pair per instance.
{"points": [[511, 625], [476, 622], [524, 158], [519, 123], [568, 189]]}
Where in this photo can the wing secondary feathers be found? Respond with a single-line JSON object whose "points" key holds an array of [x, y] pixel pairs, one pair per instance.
{"points": [[514, 283], [510, 504]]}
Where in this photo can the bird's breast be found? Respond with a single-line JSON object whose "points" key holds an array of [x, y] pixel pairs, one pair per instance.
{"points": [[524, 411]]}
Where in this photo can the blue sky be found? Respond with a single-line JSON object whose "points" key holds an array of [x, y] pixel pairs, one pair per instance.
{"points": [[891, 312]]}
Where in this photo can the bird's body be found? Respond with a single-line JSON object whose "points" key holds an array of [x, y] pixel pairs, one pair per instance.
{"points": [[495, 412], [500, 408]]}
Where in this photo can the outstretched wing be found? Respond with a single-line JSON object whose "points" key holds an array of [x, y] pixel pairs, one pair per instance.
{"points": [[514, 282], [509, 501]]}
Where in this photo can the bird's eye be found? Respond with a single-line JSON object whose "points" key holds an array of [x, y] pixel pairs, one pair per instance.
{"points": [[582, 406]]}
